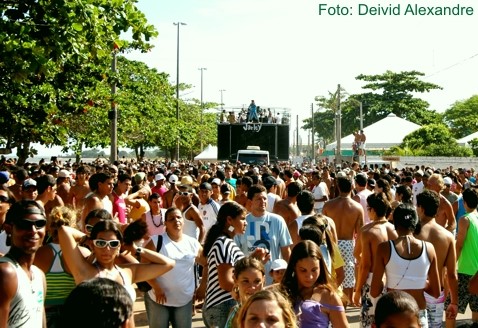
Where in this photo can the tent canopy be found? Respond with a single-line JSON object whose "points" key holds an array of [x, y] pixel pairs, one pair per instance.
{"points": [[386, 133], [465, 140], [208, 154]]}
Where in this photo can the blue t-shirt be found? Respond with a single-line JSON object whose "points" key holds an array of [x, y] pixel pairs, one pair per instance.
{"points": [[268, 231]]}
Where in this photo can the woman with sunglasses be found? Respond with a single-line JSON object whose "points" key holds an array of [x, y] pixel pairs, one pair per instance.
{"points": [[22, 284], [106, 239]]}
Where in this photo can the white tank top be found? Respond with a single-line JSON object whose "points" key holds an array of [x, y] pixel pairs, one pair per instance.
{"points": [[26, 307], [190, 228]]}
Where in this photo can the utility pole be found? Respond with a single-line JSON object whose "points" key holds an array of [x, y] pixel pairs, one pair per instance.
{"points": [[297, 152], [361, 117], [338, 156], [113, 114], [313, 132], [178, 24], [222, 102], [202, 103]]}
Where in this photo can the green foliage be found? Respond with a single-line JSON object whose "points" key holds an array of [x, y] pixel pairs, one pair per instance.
{"points": [[431, 140], [432, 134], [445, 150], [462, 117], [54, 53], [390, 93], [474, 146]]}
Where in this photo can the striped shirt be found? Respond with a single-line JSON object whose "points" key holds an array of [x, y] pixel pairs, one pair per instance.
{"points": [[224, 250]]}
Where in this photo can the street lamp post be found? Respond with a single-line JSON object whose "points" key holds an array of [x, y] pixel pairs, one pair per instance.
{"points": [[222, 102], [177, 87], [202, 103]]}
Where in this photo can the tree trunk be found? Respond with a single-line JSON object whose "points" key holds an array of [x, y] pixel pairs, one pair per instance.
{"points": [[23, 152]]}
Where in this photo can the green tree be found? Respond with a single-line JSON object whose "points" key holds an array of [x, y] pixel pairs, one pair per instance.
{"points": [[462, 117], [432, 140], [394, 93], [389, 93], [45, 43]]}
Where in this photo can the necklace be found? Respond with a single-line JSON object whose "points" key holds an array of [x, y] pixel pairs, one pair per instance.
{"points": [[17, 265], [160, 219]]}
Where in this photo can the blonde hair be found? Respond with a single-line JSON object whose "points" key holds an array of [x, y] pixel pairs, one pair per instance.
{"points": [[60, 216], [288, 315]]}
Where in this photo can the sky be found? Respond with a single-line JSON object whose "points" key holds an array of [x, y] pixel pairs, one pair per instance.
{"points": [[285, 53]]}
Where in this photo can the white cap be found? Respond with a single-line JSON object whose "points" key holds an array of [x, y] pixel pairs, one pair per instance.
{"points": [[159, 176], [64, 174], [448, 181], [278, 264], [216, 181], [173, 178]]}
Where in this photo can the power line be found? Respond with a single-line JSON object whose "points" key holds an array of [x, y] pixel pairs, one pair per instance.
{"points": [[451, 66]]}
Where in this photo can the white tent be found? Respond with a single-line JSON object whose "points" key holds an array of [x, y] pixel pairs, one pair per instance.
{"points": [[383, 134], [465, 140], [208, 154]]}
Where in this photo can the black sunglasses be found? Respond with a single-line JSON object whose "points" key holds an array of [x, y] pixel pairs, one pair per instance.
{"points": [[4, 199], [26, 224], [183, 193]]}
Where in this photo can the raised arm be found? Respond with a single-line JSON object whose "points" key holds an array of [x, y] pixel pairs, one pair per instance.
{"points": [[80, 268]]}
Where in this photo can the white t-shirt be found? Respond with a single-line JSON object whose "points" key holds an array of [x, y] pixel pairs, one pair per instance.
{"points": [[209, 213], [417, 188], [179, 283], [319, 192]]}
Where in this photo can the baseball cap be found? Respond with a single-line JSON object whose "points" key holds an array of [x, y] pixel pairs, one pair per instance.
{"points": [[159, 176], [371, 182], [139, 177], [216, 181], [419, 172], [4, 177], [447, 181], [205, 185], [29, 183], [269, 181], [173, 178], [64, 174], [341, 174], [225, 189], [278, 264]]}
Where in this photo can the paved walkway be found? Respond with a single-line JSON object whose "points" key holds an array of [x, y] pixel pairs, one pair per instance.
{"points": [[353, 316]]}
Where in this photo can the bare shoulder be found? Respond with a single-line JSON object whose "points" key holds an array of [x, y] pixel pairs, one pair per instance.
{"points": [[8, 280], [326, 296]]}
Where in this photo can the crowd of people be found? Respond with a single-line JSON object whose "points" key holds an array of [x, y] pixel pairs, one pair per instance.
{"points": [[248, 246]]}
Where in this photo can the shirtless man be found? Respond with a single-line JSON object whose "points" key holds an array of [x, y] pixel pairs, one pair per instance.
{"points": [[80, 189], [348, 217], [329, 181], [428, 203], [280, 183], [362, 139], [370, 236], [445, 215], [101, 185], [63, 185], [173, 190], [242, 189], [287, 208], [362, 194]]}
